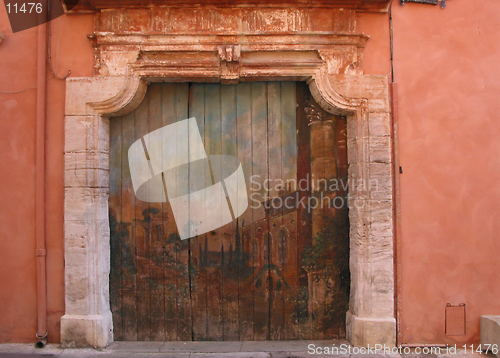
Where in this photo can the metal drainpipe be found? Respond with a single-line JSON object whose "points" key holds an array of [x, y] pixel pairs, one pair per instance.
{"points": [[396, 186], [41, 253]]}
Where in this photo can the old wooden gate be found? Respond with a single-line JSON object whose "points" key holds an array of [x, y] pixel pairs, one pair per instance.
{"points": [[280, 270]]}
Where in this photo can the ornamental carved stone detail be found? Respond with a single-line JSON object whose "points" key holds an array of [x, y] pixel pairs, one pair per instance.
{"points": [[314, 112], [229, 57], [225, 20], [231, 42]]}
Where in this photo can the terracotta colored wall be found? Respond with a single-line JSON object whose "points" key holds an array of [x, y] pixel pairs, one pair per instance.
{"points": [[377, 52], [448, 83], [70, 50], [446, 67]]}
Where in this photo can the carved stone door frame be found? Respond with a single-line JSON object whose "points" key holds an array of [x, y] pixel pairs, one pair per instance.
{"points": [[331, 65]]}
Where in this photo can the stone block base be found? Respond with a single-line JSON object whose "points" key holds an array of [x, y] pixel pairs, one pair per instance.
{"points": [[490, 331], [87, 330], [364, 331]]}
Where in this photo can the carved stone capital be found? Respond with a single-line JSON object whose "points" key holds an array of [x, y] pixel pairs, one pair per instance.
{"points": [[229, 53], [314, 112]]}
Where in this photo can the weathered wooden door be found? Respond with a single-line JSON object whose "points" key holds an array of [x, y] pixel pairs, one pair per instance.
{"points": [[280, 270]]}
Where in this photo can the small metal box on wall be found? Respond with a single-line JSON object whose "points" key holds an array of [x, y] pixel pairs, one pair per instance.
{"points": [[455, 319]]}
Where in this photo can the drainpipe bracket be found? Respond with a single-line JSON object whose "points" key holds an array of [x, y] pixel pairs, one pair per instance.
{"points": [[40, 252]]}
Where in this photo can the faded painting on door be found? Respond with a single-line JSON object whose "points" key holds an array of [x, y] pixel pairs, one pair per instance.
{"points": [[279, 271]]}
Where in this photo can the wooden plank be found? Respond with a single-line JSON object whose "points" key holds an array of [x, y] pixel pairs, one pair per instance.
{"points": [[198, 274], [322, 288], [184, 325], [327, 320], [178, 305], [128, 263], [142, 237], [157, 273], [288, 232], [170, 252], [244, 222], [260, 171], [304, 228], [289, 134], [213, 146], [230, 293], [275, 191], [115, 218]]}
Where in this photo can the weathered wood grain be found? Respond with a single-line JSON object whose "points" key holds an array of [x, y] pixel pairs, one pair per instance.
{"points": [[230, 279], [275, 270], [213, 145], [198, 244], [141, 229], [243, 246], [128, 264], [304, 222], [260, 170], [157, 232], [287, 235], [250, 279], [169, 254]]}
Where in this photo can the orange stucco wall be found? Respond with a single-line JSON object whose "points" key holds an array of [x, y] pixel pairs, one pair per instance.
{"points": [[18, 56], [448, 84], [446, 67]]}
